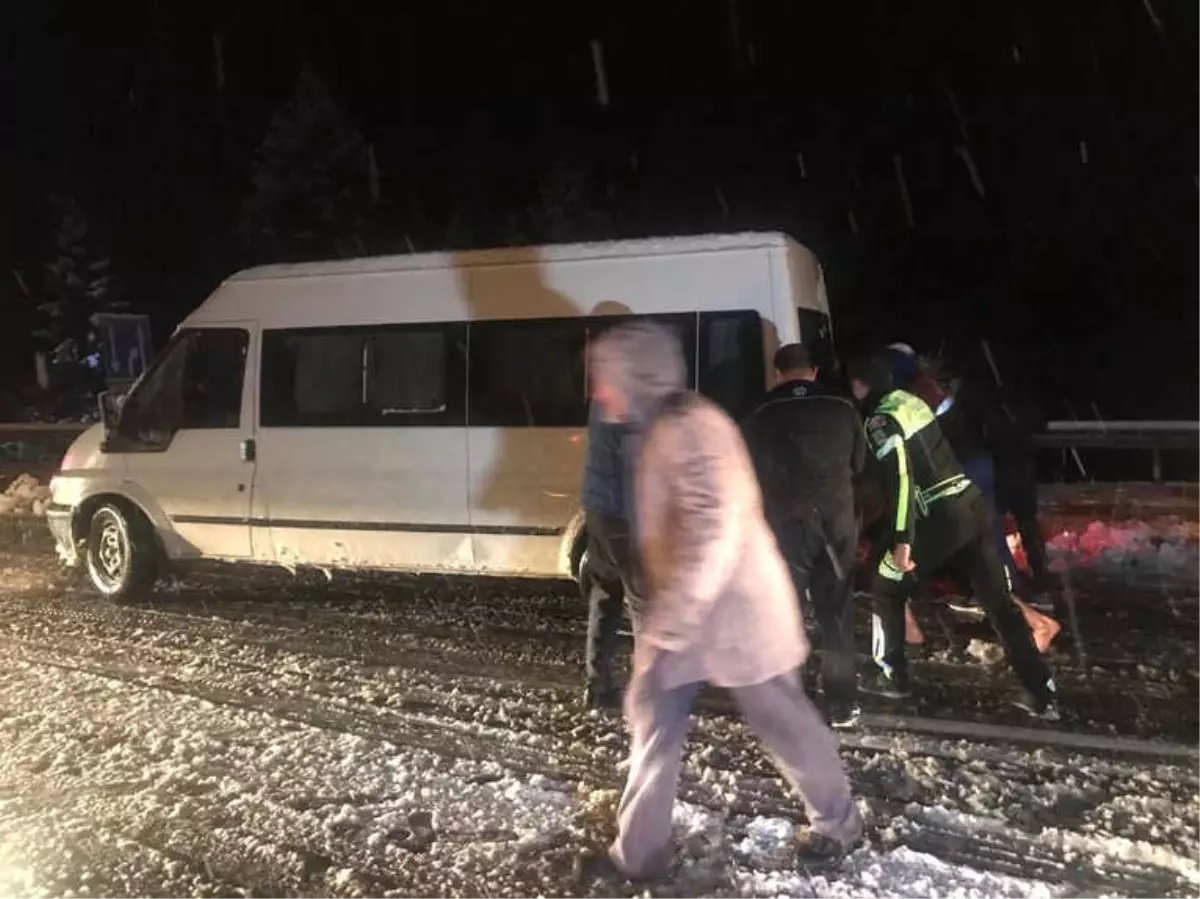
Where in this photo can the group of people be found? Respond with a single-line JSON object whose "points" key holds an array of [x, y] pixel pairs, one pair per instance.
{"points": [[710, 533]]}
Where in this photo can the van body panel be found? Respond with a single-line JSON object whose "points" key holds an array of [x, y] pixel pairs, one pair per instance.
{"points": [[642, 285], [365, 497], [524, 493]]}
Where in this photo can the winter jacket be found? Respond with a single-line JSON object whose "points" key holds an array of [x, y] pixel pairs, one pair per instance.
{"points": [[808, 444], [720, 599], [605, 479], [719, 604]]}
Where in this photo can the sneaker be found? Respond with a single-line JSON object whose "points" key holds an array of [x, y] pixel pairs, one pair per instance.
{"points": [[880, 684], [843, 714], [966, 605], [818, 852], [1041, 709]]}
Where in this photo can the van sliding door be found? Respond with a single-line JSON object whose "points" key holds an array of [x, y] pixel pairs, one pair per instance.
{"points": [[362, 448]]}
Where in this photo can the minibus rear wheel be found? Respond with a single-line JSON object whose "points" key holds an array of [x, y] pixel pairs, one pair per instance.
{"points": [[122, 558]]}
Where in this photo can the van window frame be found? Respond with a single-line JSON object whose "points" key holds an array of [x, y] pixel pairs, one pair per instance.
{"points": [[454, 375], [120, 440]]}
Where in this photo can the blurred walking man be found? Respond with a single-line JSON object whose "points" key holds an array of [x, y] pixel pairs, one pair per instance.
{"points": [[719, 607], [808, 444]]}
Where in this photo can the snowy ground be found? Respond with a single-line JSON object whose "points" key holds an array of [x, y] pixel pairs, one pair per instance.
{"points": [[287, 737]]}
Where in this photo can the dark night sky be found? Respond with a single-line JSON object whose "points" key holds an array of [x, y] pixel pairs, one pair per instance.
{"points": [[1080, 117]]}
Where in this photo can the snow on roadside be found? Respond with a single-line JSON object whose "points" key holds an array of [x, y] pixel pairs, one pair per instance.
{"points": [[26, 495], [867, 872], [899, 872], [1167, 550]]}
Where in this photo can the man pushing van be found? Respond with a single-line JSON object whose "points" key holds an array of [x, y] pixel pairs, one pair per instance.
{"points": [[808, 444]]}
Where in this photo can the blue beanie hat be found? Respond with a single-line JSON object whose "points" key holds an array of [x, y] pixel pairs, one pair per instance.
{"points": [[903, 363]]}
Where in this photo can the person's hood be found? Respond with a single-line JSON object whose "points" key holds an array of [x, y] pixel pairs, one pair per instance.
{"points": [[645, 363]]}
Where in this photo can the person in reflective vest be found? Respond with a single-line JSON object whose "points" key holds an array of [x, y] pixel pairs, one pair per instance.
{"points": [[976, 430], [935, 515]]}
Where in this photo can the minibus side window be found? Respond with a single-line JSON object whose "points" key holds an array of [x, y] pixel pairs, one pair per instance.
{"points": [[407, 372], [731, 365], [527, 373], [195, 385], [363, 376]]}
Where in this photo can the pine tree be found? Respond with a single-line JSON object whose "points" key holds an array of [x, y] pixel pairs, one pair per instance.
{"points": [[310, 193], [76, 284]]}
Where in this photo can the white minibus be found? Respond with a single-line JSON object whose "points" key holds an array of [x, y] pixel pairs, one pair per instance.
{"points": [[423, 412]]}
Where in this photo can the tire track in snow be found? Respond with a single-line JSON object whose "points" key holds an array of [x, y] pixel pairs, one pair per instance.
{"points": [[747, 800]]}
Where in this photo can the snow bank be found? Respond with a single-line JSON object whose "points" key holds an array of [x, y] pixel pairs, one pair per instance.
{"points": [[1168, 549], [25, 496], [897, 872]]}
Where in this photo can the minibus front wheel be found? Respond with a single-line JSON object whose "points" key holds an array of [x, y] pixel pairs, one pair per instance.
{"points": [[121, 553]]}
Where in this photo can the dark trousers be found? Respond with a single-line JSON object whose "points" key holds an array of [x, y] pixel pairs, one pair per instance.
{"points": [[1016, 494], [605, 584], [981, 470], [779, 714], [959, 531], [820, 551]]}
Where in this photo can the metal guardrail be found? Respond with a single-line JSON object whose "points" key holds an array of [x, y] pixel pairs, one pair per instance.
{"points": [[12, 427], [1153, 436]]}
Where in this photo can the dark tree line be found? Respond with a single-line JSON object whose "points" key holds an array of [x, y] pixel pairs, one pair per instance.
{"points": [[1020, 171]]}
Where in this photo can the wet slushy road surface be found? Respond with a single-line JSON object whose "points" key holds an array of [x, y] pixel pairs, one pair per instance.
{"points": [[272, 735]]}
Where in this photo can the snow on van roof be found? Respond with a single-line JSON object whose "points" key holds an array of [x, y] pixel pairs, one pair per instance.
{"points": [[571, 252]]}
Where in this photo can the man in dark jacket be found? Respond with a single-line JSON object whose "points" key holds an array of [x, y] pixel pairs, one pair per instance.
{"points": [[807, 444], [935, 515], [605, 572]]}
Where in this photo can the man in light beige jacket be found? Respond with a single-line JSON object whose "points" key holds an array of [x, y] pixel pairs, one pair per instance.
{"points": [[719, 606]]}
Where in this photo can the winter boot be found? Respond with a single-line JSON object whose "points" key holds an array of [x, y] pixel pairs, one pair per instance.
{"points": [[818, 852]]}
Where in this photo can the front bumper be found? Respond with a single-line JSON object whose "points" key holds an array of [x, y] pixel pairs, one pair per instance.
{"points": [[59, 519]]}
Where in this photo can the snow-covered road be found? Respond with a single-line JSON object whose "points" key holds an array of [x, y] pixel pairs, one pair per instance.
{"points": [[279, 736]]}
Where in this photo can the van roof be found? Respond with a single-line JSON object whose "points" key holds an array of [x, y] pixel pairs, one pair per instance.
{"points": [[571, 252]]}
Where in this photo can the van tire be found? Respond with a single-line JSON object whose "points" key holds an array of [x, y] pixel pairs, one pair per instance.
{"points": [[584, 576], [121, 552]]}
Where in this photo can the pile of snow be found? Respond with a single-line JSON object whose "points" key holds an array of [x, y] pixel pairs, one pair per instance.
{"points": [[25, 496], [1169, 549], [900, 871]]}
